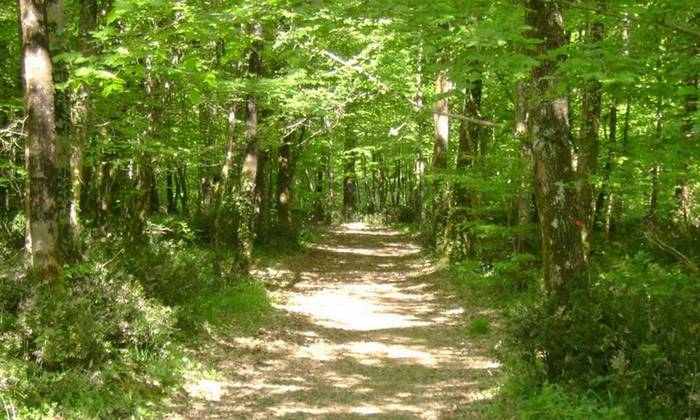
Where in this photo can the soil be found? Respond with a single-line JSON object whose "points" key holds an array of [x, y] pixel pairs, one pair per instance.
{"points": [[365, 327]]}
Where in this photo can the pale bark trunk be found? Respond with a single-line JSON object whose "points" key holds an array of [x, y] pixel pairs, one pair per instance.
{"points": [[42, 211], [440, 152], [247, 205], [222, 187], [469, 142], [562, 253], [525, 193]]}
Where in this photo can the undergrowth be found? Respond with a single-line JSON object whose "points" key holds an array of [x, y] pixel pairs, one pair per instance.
{"points": [[628, 346], [111, 343]]}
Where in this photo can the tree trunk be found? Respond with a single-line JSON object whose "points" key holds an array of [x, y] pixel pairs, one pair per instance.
{"points": [[285, 176], [246, 210], [222, 187], [349, 183], [605, 196], [184, 193], [469, 140], [170, 193], [80, 121], [525, 193], [318, 205], [263, 188], [684, 190], [588, 150], [562, 253], [652, 211], [440, 152], [42, 212], [330, 190]]}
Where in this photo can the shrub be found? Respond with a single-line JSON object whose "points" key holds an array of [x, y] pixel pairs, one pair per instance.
{"points": [[634, 335]]}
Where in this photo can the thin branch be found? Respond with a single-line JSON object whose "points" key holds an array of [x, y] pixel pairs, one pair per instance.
{"points": [[486, 123], [419, 107], [654, 239]]}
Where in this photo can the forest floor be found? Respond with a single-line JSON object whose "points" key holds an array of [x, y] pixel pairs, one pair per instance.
{"points": [[364, 326]]}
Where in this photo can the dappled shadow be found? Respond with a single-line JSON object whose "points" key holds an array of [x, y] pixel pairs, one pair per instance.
{"points": [[363, 331]]}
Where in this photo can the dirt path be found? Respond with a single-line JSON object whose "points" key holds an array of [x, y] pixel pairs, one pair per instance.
{"points": [[365, 332]]}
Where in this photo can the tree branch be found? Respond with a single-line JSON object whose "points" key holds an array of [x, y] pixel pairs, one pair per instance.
{"points": [[415, 104]]}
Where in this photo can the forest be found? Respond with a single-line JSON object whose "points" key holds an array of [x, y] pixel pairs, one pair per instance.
{"points": [[353, 208]]}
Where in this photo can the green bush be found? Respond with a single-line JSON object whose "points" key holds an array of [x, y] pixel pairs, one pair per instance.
{"points": [[85, 323], [633, 335]]}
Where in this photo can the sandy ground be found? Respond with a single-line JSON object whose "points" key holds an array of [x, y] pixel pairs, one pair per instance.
{"points": [[365, 329]]}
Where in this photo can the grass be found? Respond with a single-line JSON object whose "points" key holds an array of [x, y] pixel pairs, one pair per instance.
{"points": [[479, 326], [171, 288]]}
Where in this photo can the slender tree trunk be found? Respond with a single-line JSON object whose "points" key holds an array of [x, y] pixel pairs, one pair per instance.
{"points": [[652, 211], [525, 193], [246, 210], [42, 212], [605, 196], [222, 187], [318, 205], [349, 178], [263, 189], [469, 140], [684, 190], [588, 150], [80, 121], [285, 176], [440, 153], [562, 253], [170, 193], [184, 193], [330, 190]]}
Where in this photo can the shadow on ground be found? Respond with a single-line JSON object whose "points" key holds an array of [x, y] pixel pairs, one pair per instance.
{"points": [[363, 331]]}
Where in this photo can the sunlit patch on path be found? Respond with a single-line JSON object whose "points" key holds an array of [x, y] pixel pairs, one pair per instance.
{"points": [[364, 333]]}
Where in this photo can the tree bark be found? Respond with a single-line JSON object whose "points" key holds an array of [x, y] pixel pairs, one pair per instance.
{"points": [[247, 207], [684, 191], [562, 251], [285, 177], [170, 193], [440, 152], [469, 141], [184, 193], [588, 150], [263, 190], [222, 187], [80, 121], [349, 183], [525, 193], [42, 212]]}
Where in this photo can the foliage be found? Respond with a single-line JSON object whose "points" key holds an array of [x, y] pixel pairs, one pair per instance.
{"points": [[632, 335], [553, 402], [112, 343], [166, 90], [478, 326]]}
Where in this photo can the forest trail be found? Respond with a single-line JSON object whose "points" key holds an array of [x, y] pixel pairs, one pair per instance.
{"points": [[364, 330]]}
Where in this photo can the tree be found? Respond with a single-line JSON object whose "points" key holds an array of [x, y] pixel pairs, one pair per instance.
{"points": [[42, 211], [562, 252], [249, 170]]}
